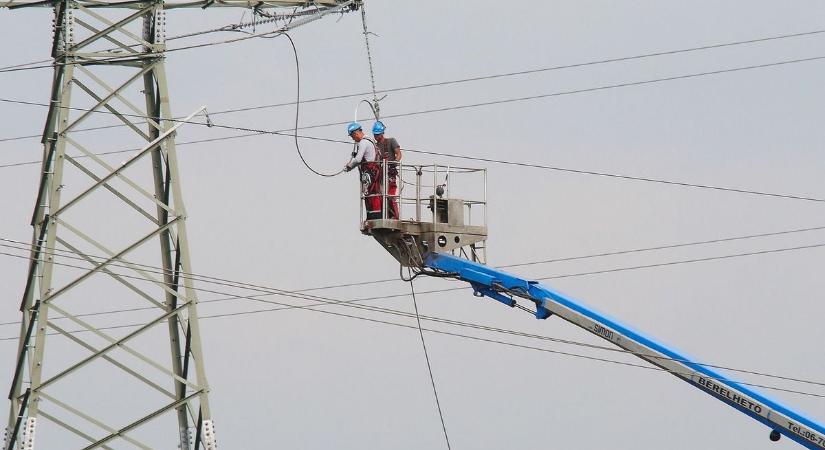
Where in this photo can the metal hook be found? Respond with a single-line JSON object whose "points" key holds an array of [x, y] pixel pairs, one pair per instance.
{"points": [[375, 111]]}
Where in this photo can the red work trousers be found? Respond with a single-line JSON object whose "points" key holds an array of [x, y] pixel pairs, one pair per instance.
{"points": [[372, 200], [392, 201]]}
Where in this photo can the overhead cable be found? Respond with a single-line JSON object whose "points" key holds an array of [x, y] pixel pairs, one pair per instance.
{"points": [[130, 57], [620, 176], [481, 77], [297, 112], [376, 107], [369, 319], [231, 27], [498, 161], [69, 254], [427, 359], [323, 301]]}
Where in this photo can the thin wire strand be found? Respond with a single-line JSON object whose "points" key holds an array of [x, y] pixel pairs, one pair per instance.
{"points": [[489, 77], [25, 246], [622, 176], [447, 333], [129, 57], [429, 367], [471, 158], [297, 112], [230, 27], [663, 247], [513, 73], [349, 303], [69, 254], [522, 164], [15, 66], [376, 107]]}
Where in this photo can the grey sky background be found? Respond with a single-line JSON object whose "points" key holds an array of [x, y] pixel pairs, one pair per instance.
{"points": [[299, 379]]}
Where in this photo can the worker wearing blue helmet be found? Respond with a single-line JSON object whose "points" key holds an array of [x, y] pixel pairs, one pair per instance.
{"points": [[365, 157], [390, 153]]}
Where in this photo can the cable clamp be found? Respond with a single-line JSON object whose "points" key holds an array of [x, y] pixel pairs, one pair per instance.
{"points": [[209, 123]]}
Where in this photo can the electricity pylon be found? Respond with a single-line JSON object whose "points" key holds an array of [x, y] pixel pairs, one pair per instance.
{"points": [[80, 379]]}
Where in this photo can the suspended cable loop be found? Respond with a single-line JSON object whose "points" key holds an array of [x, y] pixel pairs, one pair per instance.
{"points": [[297, 112]]}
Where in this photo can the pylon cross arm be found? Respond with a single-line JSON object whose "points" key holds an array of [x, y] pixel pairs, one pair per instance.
{"points": [[14, 4]]}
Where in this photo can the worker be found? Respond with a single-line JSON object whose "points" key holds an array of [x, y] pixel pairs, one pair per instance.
{"points": [[365, 157], [390, 153]]}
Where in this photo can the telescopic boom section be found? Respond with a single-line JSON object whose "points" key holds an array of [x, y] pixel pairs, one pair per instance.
{"points": [[502, 287]]}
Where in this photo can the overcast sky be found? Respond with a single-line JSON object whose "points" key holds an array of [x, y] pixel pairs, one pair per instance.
{"points": [[300, 379]]}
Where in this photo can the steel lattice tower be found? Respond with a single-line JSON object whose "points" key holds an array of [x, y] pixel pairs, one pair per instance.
{"points": [[96, 231]]}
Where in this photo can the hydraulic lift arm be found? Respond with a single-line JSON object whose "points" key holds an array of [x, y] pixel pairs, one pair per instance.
{"points": [[502, 287]]}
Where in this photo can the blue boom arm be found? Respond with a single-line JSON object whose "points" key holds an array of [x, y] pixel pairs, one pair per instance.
{"points": [[502, 287]]}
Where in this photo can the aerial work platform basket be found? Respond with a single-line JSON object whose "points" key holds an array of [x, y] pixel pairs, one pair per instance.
{"points": [[427, 208]]}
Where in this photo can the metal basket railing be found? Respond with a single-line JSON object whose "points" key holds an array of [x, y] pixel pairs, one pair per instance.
{"points": [[432, 186]]}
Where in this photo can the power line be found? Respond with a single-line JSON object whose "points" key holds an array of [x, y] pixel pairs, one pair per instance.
{"points": [[484, 77], [68, 254], [15, 66], [20, 245], [476, 338], [427, 359], [298, 109], [473, 158], [621, 176], [25, 246], [350, 303], [177, 144], [519, 99], [318, 14], [479, 77], [231, 27], [684, 261], [664, 247]]}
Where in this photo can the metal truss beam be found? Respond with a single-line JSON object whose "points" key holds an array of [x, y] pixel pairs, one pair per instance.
{"points": [[135, 4]]}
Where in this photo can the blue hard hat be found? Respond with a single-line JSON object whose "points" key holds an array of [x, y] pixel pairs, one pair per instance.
{"points": [[378, 128], [353, 127]]}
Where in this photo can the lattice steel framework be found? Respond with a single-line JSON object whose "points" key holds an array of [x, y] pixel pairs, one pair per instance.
{"points": [[96, 230]]}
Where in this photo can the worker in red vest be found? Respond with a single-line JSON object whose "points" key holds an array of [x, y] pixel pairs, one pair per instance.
{"points": [[365, 157]]}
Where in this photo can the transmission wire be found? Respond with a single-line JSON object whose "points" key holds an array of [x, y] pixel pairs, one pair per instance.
{"points": [[69, 254], [429, 367], [497, 161], [522, 164], [376, 107], [24, 246], [331, 302], [463, 80], [129, 58], [231, 27], [368, 319], [297, 111]]}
